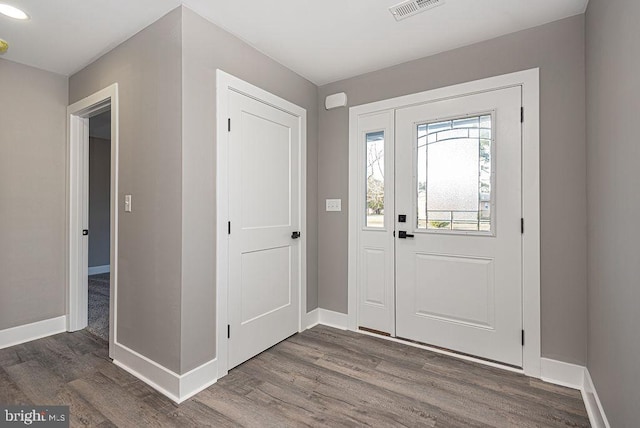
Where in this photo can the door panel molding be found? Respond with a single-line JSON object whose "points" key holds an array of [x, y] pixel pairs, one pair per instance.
{"points": [[528, 82], [225, 84]]}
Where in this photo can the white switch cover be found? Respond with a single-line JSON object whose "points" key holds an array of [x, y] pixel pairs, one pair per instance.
{"points": [[127, 203], [334, 204]]}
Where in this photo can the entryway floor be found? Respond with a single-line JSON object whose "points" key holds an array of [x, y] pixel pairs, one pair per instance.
{"points": [[321, 377], [99, 305]]}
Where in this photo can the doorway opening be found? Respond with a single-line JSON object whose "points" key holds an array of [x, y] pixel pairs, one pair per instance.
{"points": [[99, 267], [92, 214]]}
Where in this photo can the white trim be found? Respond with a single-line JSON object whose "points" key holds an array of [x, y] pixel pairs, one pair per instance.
{"points": [[592, 402], [333, 319], [561, 373], [313, 318], [77, 139], [176, 387], [95, 270], [224, 83], [198, 379], [529, 81], [576, 377], [36, 330]]}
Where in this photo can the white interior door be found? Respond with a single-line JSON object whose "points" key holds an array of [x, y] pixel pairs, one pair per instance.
{"points": [[458, 252], [264, 212]]}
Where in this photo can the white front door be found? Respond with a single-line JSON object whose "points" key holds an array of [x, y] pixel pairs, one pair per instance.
{"points": [[264, 212], [458, 250]]}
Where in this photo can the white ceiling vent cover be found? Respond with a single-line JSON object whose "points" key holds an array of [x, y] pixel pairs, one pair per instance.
{"points": [[413, 7]]}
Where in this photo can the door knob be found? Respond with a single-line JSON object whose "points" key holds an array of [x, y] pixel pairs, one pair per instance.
{"points": [[295, 235], [402, 234]]}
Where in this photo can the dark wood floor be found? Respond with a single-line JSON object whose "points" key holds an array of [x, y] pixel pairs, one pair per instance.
{"points": [[322, 377]]}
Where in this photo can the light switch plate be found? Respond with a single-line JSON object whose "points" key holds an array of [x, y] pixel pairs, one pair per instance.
{"points": [[127, 203], [334, 204]]}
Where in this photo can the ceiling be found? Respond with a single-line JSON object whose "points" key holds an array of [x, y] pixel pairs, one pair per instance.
{"points": [[324, 41]]}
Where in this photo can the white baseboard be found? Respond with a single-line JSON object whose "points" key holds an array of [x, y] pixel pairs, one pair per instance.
{"points": [[95, 270], [28, 332], [312, 319], [198, 379], [596, 413], [576, 377], [333, 319], [561, 373], [174, 386]]}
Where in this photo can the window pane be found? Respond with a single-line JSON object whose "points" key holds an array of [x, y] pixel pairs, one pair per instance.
{"points": [[454, 174], [375, 179]]}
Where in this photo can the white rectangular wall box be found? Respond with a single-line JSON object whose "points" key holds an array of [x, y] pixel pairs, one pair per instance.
{"points": [[335, 101], [334, 204]]}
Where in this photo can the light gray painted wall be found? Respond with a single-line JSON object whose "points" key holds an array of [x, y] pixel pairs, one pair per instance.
{"points": [[558, 49], [32, 194], [148, 70], [613, 152], [207, 47], [99, 200], [166, 77]]}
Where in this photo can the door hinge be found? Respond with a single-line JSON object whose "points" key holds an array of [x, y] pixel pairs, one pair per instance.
{"points": [[522, 337], [228, 331], [229, 228], [522, 225], [229, 124], [521, 114]]}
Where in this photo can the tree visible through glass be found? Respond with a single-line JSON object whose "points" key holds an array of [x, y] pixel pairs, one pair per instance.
{"points": [[375, 179], [454, 174]]}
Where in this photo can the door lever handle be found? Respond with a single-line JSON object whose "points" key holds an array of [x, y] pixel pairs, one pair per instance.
{"points": [[402, 234], [295, 235]]}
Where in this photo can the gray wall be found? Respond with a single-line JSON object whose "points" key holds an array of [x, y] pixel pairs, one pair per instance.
{"points": [[558, 49], [99, 200], [148, 70], [32, 194], [206, 48], [613, 151], [166, 78]]}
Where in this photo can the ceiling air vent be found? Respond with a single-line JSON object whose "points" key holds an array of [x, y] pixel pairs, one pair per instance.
{"points": [[412, 7]]}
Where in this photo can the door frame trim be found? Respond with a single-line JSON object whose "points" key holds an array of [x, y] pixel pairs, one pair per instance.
{"points": [[530, 83], [226, 82], [78, 115]]}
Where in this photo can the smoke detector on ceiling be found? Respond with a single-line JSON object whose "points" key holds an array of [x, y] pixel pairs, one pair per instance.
{"points": [[413, 7]]}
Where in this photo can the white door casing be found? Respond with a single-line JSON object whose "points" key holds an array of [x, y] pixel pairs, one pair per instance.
{"points": [[461, 289], [78, 208], [528, 83], [261, 199]]}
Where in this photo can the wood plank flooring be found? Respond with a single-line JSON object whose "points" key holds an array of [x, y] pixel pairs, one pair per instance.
{"points": [[322, 377]]}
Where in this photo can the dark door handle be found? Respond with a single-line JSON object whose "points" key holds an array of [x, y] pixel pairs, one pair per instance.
{"points": [[85, 232], [404, 235], [295, 235]]}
